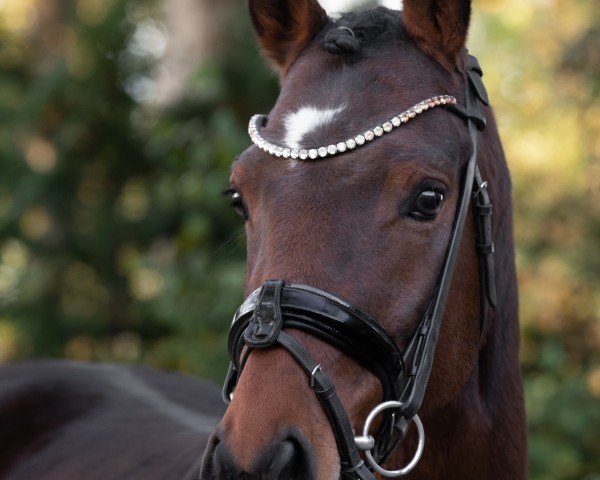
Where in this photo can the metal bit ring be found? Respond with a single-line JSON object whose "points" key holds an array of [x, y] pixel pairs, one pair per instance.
{"points": [[365, 434]]}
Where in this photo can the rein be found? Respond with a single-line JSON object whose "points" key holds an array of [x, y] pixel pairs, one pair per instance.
{"points": [[260, 320]]}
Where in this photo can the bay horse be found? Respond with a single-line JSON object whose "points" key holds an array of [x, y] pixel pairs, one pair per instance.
{"points": [[366, 198]]}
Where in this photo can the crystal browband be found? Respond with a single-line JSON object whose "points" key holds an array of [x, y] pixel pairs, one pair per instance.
{"points": [[257, 121]]}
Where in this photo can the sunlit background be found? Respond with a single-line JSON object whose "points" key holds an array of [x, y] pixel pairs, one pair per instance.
{"points": [[118, 122]]}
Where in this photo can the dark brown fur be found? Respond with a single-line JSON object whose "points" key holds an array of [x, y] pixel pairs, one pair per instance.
{"points": [[286, 28], [440, 28], [341, 225]]}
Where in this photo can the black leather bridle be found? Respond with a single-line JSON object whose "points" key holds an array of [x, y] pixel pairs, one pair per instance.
{"points": [[260, 320]]}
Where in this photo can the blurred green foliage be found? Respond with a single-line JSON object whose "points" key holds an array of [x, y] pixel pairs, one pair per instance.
{"points": [[116, 243], [116, 240]]}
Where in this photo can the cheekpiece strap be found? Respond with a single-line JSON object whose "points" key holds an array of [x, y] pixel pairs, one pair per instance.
{"points": [[421, 351], [267, 319]]}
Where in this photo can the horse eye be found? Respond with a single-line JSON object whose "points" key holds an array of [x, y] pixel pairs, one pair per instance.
{"points": [[427, 205], [237, 203]]}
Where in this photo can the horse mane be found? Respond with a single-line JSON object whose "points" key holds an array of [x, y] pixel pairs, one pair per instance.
{"points": [[362, 34]]}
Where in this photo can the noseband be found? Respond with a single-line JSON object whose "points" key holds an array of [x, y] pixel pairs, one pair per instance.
{"points": [[260, 321]]}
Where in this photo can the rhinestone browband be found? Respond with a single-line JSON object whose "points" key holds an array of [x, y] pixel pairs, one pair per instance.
{"points": [[257, 121]]}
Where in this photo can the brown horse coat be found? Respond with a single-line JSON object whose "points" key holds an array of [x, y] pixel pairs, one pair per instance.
{"points": [[343, 225]]}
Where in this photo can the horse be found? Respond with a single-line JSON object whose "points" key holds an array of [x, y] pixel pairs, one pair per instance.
{"points": [[381, 290], [64, 420]]}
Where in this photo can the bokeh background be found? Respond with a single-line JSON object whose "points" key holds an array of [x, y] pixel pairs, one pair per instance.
{"points": [[118, 123]]}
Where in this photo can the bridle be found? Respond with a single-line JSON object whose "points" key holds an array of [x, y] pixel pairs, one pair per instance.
{"points": [[260, 321]]}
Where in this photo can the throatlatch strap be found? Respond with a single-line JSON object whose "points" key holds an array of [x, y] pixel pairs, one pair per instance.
{"points": [[484, 244]]}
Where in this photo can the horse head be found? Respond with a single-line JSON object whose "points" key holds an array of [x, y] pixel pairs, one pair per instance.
{"points": [[352, 196]]}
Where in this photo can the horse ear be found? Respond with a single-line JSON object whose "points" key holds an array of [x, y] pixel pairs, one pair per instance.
{"points": [[438, 26], [285, 27]]}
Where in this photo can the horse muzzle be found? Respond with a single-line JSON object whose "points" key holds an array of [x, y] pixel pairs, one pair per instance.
{"points": [[289, 457]]}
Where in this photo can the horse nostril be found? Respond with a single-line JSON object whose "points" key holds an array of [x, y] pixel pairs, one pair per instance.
{"points": [[218, 464], [225, 467], [284, 463], [290, 461]]}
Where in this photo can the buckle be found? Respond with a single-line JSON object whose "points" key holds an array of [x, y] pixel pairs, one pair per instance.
{"points": [[482, 186], [317, 370]]}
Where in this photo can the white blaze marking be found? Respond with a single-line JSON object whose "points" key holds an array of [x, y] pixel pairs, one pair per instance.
{"points": [[306, 120]]}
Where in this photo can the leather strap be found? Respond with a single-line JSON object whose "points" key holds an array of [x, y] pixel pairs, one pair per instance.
{"points": [[334, 321], [421, 350], [484, 243], [352, 465], [267, 319], [477, 117]]}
